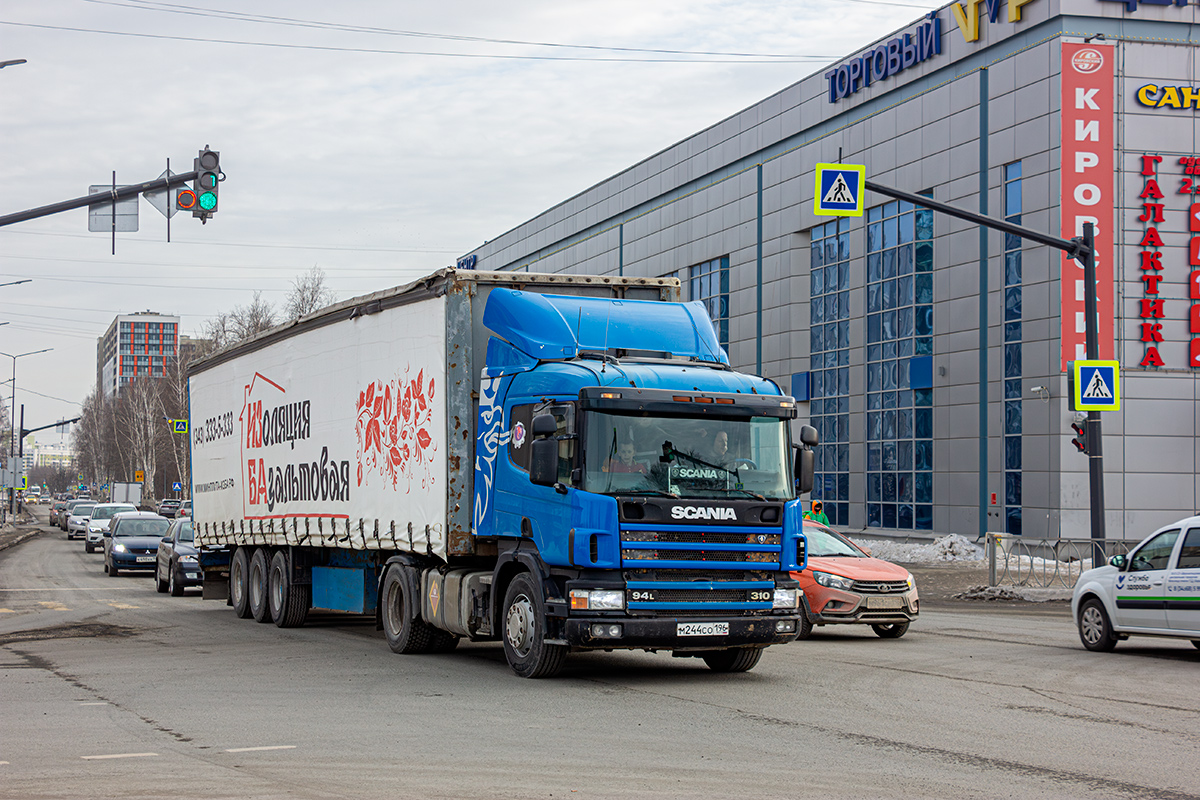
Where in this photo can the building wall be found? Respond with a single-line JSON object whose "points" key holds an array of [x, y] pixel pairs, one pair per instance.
{"points": [[919, 130]]}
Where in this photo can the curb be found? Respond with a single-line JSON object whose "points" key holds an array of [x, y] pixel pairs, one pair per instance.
{"points": [[21, 538]]}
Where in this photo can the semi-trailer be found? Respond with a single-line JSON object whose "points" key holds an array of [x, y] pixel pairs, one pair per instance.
{"points": [[558, 462]]}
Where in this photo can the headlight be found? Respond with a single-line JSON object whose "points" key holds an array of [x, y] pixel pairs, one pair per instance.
{"points": [[118, 548], [912, 582], [94, 529], [786, 598], [832, 581], [597, 599], [187, 560]]}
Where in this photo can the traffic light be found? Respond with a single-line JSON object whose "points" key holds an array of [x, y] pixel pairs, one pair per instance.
{"points": [[1081, 439], [208, 181], [185, 200]]}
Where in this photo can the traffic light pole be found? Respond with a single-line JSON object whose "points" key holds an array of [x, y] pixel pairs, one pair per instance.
{"points": [[1081, 249], [101, 198], [1095, 452]]}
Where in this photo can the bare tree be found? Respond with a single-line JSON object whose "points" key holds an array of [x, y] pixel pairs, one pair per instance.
{"points": [[308, 294], [240, 323]]}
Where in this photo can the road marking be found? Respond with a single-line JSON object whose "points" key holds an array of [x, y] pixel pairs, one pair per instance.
{"points": [[257, 749], [122, 606], [7, 611], [3, 763], [53, 605], [118, 755], [105, 587]]}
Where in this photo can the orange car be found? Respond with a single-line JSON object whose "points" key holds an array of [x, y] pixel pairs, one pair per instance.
{"points": [[843, 584]]}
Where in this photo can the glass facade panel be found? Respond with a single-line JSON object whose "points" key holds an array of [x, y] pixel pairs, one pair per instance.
{"points": [[709, 284], [830, 303], [899, 324], [1012, 352]]}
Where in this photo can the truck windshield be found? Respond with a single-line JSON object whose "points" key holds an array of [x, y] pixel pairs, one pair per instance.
{"points": [[688, 457]]}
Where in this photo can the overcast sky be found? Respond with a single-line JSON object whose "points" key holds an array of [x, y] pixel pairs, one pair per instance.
{"points": [[377, 140]]}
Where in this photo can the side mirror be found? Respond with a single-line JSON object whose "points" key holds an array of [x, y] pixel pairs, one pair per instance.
{"points": [[543, 456], [165, 539], [107, 534], [806, 459], [1117, 561]]}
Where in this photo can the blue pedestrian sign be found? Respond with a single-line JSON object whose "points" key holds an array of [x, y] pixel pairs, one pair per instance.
{"points": [[839, 190], [181, 425], [1097, 385], [176, 486]]}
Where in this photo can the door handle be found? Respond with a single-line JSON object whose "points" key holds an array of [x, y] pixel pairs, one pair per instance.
{"points": [[1157, 583]]}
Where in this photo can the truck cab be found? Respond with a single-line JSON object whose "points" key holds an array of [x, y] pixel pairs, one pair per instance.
{"points": [[650, 490]]}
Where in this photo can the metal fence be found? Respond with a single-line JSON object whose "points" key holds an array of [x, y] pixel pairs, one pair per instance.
{"points": [[1046, 563]]}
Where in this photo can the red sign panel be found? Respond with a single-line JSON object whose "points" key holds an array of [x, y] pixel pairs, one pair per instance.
{"points": [[1088, 189]]}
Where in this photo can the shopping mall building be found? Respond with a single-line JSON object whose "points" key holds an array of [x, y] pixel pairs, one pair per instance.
{"points": [[941, 409]]}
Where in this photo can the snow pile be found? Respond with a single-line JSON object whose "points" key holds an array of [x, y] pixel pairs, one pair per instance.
{"points": [[1026, 594], [945, 548]]}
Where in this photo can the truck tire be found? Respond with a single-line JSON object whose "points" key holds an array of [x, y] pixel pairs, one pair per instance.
{"points": [[406, 634], [443, 641], [737, 659], [256, 582], [239, 583], [289, 602], [524, 629]]}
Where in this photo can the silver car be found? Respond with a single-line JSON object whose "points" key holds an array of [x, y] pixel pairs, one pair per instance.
{"points": [[98, 522], [77, 521]]}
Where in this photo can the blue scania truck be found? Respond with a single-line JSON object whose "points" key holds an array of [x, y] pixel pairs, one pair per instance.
{"points": [[558, 462]]}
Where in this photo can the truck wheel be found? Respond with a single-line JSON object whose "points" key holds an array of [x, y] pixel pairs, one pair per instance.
{"points": [[289, 602], [1095, 631], [891, 630], [239, 586], [525, 633], [737, 659], [256, 582], [406, 634]]}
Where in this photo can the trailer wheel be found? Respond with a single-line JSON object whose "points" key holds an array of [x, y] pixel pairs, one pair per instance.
{"points": [[289, 602], [406, 634], [239, 583], [260, 607], [525, 644], [737, 659]]}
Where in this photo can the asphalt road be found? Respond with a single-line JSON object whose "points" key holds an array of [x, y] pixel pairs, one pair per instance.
{"points": [[109, 689]]}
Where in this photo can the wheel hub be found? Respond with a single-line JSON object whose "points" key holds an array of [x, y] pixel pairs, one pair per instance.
{"points": [[518, 625], [1092, 625]]}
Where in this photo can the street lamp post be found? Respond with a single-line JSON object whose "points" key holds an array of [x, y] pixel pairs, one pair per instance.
{"points": [[12, 450]]}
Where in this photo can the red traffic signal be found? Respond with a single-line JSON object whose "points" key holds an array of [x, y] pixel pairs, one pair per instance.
{"points": [[1081, 440], [185, 200]]}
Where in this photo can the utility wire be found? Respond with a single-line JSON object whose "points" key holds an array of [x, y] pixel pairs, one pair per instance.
{"points": [[177, 8], [380, 51]]}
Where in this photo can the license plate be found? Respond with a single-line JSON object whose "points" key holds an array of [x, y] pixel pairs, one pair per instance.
{"points": [[145, 559], [702, 629], [885, 602]]}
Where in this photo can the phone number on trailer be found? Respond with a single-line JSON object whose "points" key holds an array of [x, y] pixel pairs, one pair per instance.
{"points": [[214, 428]]}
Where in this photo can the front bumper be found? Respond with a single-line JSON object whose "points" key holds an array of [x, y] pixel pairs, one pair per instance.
{"points": [[129, 561], [189, 575], [847, 608], [661, 633]]}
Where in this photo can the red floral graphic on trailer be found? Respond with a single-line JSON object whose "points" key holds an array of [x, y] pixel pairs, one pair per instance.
{"points": [[393, 426]]}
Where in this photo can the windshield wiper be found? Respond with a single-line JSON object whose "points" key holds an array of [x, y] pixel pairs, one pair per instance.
{"points": [[652, 492]]}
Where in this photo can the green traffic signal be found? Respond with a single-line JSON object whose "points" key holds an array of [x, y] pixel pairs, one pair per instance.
{"points": [[208, 201]]}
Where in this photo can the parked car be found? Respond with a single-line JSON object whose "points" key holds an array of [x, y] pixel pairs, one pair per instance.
{"points": [[58, 506], [185, 509], [1153, 591], [168, 507], [77, 521], [843, 584], [177, 566], [99, 519], [132, 543]]}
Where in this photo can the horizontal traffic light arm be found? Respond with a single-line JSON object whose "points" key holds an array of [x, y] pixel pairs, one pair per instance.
{"points": [[101, 198]]}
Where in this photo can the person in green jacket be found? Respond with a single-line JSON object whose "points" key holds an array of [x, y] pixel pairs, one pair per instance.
{"points": [[817, 514]]}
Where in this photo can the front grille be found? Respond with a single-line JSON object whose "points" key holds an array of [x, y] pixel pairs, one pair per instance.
{"points": [[880, 587], [700, 596], [690, 537], [695, 575], [720, 556]]}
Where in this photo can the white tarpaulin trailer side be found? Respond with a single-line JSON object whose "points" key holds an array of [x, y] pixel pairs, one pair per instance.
{"points": [[354, 427]]}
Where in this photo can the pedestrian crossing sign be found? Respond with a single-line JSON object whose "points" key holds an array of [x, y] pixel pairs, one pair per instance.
{"points": [[1096, 385], [839, 191]]}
